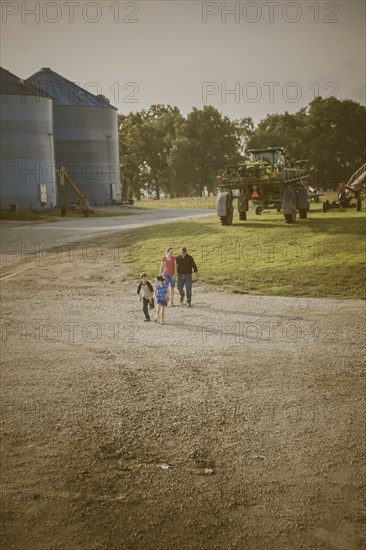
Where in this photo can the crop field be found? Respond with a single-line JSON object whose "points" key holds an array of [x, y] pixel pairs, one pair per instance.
{"points": [[322, 256]]}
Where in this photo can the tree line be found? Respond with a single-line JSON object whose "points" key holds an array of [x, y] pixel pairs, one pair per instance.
{"points": [[162, 151]]}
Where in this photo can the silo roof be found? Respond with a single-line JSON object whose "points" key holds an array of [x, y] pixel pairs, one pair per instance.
{"points": [[65, 92], [13, 85]]}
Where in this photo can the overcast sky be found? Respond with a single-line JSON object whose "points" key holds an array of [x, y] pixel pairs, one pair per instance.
{"points": [[274, 56]]}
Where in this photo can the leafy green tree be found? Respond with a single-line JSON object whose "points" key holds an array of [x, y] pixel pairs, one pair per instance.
{"points": [[205, 141], [160, 150], [330, 133], [159, 129], [284, 130], [134, 172], [244, 129], [146, 140], [335, 138]]}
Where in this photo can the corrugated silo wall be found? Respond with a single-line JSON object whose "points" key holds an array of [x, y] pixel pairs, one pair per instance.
{"points": [[86, 144], [27, 152]]}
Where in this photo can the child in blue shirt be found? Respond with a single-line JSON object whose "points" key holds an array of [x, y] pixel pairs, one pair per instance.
{"points": [[161, 296]]}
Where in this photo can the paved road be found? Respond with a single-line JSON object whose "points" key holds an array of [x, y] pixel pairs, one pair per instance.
{"points": [[18, 239]]}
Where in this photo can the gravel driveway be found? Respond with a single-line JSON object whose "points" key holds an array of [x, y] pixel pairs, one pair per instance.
{"points": [[238, 425]]}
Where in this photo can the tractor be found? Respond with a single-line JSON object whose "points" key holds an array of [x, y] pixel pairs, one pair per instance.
{"points": [[269, 179], [349, 194]]}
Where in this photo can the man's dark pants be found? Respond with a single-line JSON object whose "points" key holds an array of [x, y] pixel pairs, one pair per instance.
{"points": [[145, 307], [185, 279]]}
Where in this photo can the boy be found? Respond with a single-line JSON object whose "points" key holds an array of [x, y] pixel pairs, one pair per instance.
{"points": [[146, 290], [168, 268], [161, 294]]}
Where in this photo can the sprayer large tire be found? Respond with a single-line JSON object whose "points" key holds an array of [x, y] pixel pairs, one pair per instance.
{"points": [[291, 218], [303, 214]]}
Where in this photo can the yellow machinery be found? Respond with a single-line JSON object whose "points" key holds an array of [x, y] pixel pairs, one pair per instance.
{"points": [[82, 200]]}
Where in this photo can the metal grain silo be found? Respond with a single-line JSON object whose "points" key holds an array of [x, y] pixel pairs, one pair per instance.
{"points": [[86, 137], [28, 175]]}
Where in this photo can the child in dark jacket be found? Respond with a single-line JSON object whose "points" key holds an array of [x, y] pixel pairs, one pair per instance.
{"points": [[146, 292]]}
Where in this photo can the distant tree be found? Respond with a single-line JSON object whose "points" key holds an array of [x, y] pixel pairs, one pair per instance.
{"points": [[205, 141], [284, 130], [330, 133], [244, 129], [335, 138], [134, 172], [146, 140], [159, 128], [160, 150]]}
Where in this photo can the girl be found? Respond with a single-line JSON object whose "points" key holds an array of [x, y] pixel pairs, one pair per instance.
{"points": [[161, 295]]}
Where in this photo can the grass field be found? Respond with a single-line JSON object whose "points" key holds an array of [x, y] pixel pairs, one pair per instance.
{"points": [[184, 202], [322, 256], [55, 214], [197, 202]]}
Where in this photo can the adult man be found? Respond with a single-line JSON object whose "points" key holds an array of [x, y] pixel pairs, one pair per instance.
{"points": [[185, 265], [168, 268]]}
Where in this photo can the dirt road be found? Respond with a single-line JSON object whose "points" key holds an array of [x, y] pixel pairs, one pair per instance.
{"points": [[238, 425], [19, 239]]}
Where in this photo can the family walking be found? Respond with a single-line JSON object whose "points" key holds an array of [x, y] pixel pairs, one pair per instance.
{"points": [[171, 266]]}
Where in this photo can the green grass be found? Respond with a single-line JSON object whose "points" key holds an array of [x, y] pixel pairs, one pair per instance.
{"points": [[322, 256], [184, 202], [30, 216], [55, 214], [196, 202]]}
